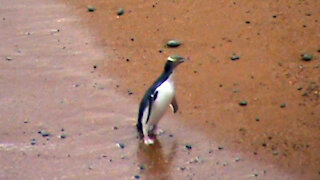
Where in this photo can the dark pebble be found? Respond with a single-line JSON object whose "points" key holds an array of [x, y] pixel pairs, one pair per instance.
{"points": [[132, 39], [234, 57], [248, 22], [243, 103], [283, 105], [95, 66], [142, 167], [130, 92], [33, 142], [136, 177], [173, 43], [127, 59], [220, 148], [63, 136], [306, 57], [318, 50], [44, 133], [257, 119], [264, 144], [115, 127], [9, 58], [91, 8], [120, 145], [299, 88], [188, 146], [120, 12], [160, 51]]}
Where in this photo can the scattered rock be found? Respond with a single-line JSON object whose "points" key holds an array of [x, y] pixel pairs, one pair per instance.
{"points": [[9, 58], [188, 146], [306, 57], [275, 152], [283, 105], [91, 8], [243, 103], [142, 167], [136, 177], [44, 133], [234, 57], [33, 141], [257, 119], [63, 136], [120, 12], [237, 159], [220, 147], [115, 128], [173, 43], [130, 92], [120, 145]]}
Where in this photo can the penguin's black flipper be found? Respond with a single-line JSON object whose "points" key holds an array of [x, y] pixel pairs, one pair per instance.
{"points": [[174, 105]]}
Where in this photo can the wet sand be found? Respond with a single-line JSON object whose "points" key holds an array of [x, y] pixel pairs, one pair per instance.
{"points": [[64, 70]]}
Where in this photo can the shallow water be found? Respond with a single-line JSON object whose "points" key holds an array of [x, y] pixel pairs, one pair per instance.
{"points": [[69, 75]]}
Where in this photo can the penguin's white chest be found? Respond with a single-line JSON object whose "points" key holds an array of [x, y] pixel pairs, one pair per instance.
{"points": [[164, 98]]}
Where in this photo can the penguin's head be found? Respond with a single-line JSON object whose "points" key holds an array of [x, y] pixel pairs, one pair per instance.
{"points": [[173, 61]]}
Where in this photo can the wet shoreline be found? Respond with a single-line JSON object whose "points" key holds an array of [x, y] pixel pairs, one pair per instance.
{"points": [[74, 73]]}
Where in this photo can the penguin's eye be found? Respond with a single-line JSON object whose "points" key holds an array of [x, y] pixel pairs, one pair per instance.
{"points": [[155, 95]]}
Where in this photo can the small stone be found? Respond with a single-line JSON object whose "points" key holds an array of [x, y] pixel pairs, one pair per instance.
{"points": [[237, 159], [9, 58], [44, 133], [120, 145], [283, 105], [33, 141], [306, 57], [220, 147], [136, 177], [243, 103], [115, 128], [248, 22], [63, 136], [234, 57], [142, 167], [130, 92], [120, 12], [91, 8], [95, 66], [132, 39], [255, 175], [182, 168], [299, 88], [173, 43], [275, 152], [188, 146], [160, 51], [257, 119]]}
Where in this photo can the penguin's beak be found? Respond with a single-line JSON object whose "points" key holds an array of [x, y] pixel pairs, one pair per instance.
{"points": [[181, 60]]}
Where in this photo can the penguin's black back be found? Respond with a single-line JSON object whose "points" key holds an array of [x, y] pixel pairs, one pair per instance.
{"points": [[147, 97]]}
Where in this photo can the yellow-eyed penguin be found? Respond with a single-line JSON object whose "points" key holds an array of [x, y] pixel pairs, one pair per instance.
{"points": [[157, 100]]}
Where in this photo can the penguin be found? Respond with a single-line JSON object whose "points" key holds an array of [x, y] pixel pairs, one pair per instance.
{"points": [[157, 99]]}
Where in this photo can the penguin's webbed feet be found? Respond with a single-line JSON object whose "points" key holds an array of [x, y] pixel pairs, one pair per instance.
{"points": [[148, 141]]}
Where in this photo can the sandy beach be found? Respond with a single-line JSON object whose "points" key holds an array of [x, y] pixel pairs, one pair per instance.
{"points": [[71, 81]]}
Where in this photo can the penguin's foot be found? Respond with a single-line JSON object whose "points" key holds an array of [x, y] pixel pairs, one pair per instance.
{"points": [[148, 140], [158, 131]]}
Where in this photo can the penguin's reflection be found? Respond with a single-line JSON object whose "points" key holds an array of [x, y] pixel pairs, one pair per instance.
{"points": [[154, 163]]}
